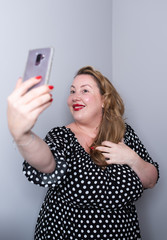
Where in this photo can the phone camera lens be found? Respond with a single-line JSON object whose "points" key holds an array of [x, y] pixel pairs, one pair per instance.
{"points": [[39, 58]]}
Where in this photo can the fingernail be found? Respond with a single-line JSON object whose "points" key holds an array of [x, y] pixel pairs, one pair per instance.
{"points": [[38, 77], [50, 87], [51, 100], [92, 148]]}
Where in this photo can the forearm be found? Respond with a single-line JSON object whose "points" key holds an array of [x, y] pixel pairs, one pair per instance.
{"points": [[36, 152], [147, 172]]}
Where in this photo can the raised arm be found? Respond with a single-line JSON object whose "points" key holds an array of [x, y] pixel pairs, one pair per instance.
{"points": [[24, 108]]}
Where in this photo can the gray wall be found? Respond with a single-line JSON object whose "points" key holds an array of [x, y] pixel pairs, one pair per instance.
{"points": [[126, 40], [139, 70], [80, 31]]}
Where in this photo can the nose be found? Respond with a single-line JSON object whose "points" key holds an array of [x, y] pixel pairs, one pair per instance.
{"points": [[76, 97]]}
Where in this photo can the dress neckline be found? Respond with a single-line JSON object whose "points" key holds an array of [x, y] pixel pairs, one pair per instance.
{"points": [[76, 139]]}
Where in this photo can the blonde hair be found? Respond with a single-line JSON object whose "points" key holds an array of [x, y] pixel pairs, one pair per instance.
{"points": [[112, 127]]}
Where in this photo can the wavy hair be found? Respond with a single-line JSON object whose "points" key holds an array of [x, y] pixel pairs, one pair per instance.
{"points": [[112, 126]]}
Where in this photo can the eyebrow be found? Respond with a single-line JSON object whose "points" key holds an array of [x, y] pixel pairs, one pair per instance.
{"points": [[82, 86]]}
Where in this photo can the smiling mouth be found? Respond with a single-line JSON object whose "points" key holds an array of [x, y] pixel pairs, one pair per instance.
{"points": [[77, 107]]}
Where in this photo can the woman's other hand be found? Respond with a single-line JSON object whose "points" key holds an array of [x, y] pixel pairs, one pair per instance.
{"points": [[122, 154], [117, 153]]}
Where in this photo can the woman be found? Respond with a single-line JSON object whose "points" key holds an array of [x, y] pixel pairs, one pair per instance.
{"points": [[95, 168]]}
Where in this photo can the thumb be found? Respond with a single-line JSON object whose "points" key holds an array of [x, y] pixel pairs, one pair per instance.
{"points": [[18, 83]]}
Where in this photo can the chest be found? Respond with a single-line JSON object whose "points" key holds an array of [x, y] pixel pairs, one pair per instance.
{"points": [[86, 183], [85, 141]]}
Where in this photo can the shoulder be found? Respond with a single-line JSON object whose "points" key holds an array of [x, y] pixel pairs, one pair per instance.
{"points": [[60, 132], [130, 134], [72, 127], [132, 140], [59, 139], [129, 130]]}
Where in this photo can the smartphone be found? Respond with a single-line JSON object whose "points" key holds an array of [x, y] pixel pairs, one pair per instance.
{"points": [[39, 63]]}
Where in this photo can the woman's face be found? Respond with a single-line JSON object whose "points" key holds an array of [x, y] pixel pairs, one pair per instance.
{"points": [[85, 101]]}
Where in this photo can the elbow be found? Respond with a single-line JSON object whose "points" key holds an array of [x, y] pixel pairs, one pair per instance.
{"points": [[151, 185], [49, 167], [148, 184], [151, 180]]}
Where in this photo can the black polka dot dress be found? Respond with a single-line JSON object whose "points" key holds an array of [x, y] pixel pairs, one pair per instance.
{"points": [[83, 201]]}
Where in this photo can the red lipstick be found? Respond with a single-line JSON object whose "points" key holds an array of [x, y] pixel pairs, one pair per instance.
{"points": [[77, 107]]}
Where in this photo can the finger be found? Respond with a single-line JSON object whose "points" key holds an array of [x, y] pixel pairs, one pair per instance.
{"points": [[38, 102], [109, 162], [35, 113], [18, 83], [108, 144], [103, 149], [121, 143], [35, 93], [106, 155], [23, 87]]}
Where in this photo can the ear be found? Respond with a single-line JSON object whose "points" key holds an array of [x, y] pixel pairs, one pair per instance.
{"points": [[103, 101]]}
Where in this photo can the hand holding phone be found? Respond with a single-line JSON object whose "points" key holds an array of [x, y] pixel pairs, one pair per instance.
{"points": [[39, 63]]}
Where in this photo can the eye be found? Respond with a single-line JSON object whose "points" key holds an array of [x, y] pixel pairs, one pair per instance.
{"points": [[85, 90], [72, 91]]}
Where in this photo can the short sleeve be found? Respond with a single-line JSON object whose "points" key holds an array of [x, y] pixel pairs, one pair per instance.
{"points": [[132, 140], [57, 141]]}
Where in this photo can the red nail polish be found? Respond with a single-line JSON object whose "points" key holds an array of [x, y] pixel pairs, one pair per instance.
{"points": [[50, 87], [38, 77], [92, 148], [51, 100]]}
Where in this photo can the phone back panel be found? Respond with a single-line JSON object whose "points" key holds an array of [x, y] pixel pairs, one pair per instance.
{"points": [[39, 64]]}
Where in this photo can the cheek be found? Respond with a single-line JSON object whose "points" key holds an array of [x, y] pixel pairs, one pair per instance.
{"points": [[69, 101], [87, 99]]}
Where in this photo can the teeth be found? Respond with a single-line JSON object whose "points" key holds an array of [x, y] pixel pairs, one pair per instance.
{"points": [[78, 107]]}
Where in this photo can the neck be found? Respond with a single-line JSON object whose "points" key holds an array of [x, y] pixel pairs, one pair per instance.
{"points": [[89, 130]]}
